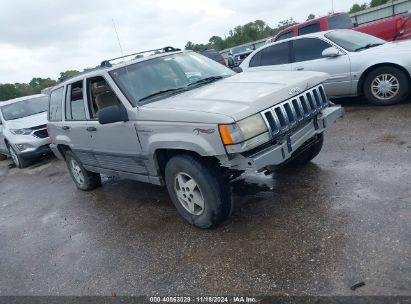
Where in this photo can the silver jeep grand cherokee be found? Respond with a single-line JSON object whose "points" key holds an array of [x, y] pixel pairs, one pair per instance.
{"points": [[179, 119]]}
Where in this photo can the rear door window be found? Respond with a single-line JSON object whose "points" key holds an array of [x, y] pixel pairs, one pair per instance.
{"points": [[55, 107], [308, 49], [275, 54], [75, 102], [308, 29], [285, 35]]}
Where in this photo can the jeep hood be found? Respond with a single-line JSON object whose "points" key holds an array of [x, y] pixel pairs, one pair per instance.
{"points": [[243, 94], [28, 121]]}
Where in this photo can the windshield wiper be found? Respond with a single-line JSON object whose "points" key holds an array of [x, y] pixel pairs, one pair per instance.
{"points": [[174, 90], [367, 46], [206, 80], [183, 89]]}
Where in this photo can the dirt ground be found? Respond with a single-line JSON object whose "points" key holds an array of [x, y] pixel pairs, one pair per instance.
{"points": [[317, 230]]}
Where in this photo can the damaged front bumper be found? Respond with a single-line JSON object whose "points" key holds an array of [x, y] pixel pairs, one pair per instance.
{"points": [[283, 149]]}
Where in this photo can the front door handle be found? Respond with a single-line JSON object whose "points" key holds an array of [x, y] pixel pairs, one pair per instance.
{"points": [[65, 127], [300, 68], [91, 129]]}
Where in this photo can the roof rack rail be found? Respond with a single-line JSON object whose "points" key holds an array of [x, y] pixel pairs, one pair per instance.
{"points": [[167, 49]]}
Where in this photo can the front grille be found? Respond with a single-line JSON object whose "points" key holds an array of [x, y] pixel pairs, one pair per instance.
{"points": [[41, 133], [40, 127], [296, 111]]}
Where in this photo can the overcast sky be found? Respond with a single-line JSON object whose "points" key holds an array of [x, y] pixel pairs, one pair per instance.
{"points": [[44, 37]]}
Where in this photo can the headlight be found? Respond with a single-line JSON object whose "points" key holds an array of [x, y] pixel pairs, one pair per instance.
{"points": [[23, 147], [243, 130], [21, 131]]}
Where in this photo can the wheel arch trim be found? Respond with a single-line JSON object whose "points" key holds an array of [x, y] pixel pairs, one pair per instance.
{"points": [[360, 89]]}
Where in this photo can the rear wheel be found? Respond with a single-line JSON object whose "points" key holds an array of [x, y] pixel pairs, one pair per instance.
{"points": [[309, 154], [84, 180], [386, 86], [199, 191]]}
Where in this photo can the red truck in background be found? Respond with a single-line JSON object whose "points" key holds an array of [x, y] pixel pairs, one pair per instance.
{"points": [[390, 29]]}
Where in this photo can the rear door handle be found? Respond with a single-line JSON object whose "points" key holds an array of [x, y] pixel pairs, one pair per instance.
{"points": [[91, 129], [65, 127], [300, 68]]}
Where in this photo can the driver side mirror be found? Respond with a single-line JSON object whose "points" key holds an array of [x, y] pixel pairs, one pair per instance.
{"points": [[112, 114], [331, 52]]}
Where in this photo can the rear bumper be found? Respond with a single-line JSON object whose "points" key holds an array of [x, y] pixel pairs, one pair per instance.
{"points": [[284, 149]]}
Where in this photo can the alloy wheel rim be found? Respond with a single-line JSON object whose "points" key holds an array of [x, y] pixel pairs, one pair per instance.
{"points": [[77, 172], [14, 156], [385, 86], [189, 193]]}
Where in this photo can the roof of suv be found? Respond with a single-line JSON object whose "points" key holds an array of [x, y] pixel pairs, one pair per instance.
{"points": [[109, 67], [10, 101]]}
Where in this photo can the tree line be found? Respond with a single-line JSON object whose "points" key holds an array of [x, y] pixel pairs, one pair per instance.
{"points": [[242, 34], [360, 7], [258, 29], [14, 90]]}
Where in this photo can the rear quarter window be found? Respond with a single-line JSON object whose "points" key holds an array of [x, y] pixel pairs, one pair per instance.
{"points": [[308, 29], [55, 107], [340, 22], [285, 35], [274, 55]]}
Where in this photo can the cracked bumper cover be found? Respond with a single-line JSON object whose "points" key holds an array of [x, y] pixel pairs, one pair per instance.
{"points": [[281, 151]]}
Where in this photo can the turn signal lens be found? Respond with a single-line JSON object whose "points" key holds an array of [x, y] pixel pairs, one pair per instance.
{"points": [[225, 134]]}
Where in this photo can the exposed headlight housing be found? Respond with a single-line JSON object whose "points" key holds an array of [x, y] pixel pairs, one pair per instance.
{"points": [[243, 130], [21, 131], [23, 147]]}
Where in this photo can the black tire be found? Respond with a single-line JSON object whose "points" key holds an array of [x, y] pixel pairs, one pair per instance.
{"points": [[3, 157], [402, 79], [211, 184], [91, 180], [17, 159], [308, 155]]}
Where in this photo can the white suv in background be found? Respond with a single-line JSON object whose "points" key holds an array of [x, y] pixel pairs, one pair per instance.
{"points": [[23, 129]]}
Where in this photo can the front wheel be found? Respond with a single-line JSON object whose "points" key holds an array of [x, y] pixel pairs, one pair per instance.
{"points": [[84, 180], [386, 86], [17, 159], [198, 190], [308, 155]]}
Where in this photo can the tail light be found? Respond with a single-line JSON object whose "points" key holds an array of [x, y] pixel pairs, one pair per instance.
{"points": [[399, 26], [49, 134]]}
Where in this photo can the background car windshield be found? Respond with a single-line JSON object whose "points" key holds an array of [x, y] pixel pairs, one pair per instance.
{"points": [[25, 108], [242, 49], [178, 71], [351, 40]]}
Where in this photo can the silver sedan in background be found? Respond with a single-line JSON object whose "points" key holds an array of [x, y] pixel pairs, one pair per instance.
{"points": [[358, 64]]}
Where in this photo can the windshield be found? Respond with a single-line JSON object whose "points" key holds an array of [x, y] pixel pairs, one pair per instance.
{"points": [[353, 41], [160, 77], [25, 108], [242, 49]]}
